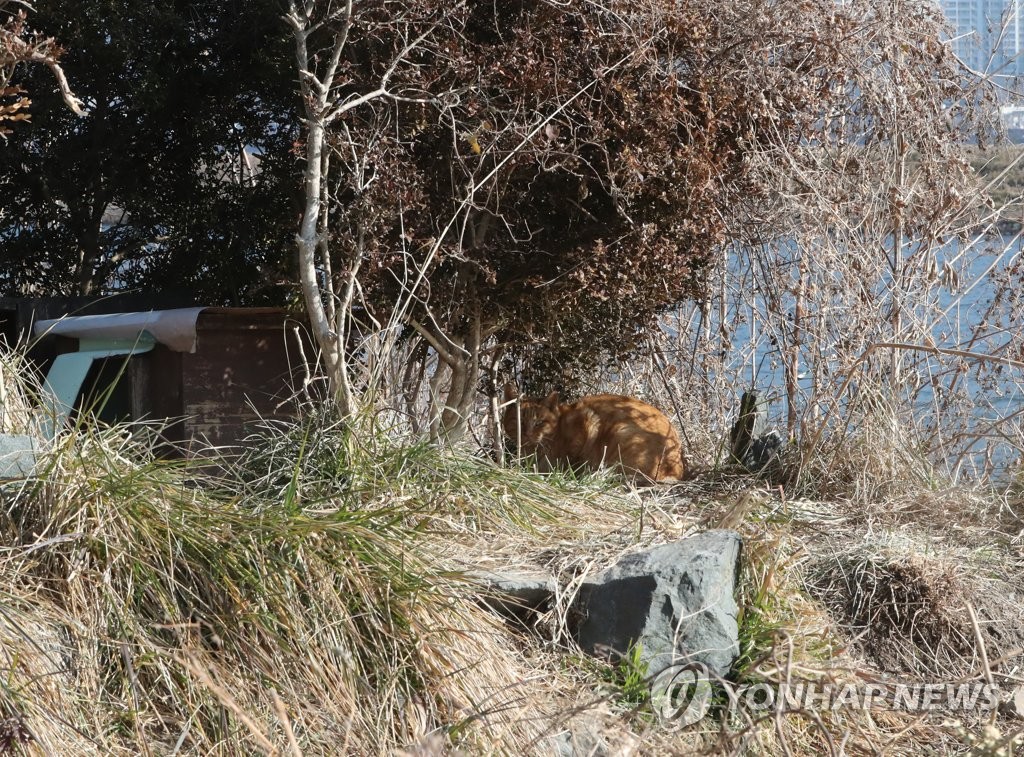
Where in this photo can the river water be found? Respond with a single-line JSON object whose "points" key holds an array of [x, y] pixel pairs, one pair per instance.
{"points": [[964, 298]]}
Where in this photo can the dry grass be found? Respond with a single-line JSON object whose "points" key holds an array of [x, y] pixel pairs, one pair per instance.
{"points": [[1002, 167], [308, 598], [908, 610], [141, 611], [16, 393]]}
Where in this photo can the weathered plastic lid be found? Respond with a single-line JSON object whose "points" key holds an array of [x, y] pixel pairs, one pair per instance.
{"points": [[174, 328]]}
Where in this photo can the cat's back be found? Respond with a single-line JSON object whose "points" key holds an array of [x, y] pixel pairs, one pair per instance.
{"points": [[606, 428], [615, 409]]}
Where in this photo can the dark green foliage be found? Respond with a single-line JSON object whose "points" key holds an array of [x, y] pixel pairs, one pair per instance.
{"points": [[145, 191]]}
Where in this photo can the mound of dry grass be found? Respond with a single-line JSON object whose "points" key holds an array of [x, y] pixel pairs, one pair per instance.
{"points": [[909, 612], [142, 611], [309, 613], [307, 597]]}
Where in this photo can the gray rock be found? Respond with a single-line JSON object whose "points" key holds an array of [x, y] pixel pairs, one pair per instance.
{"points": [[582, 740], [515, 594], [17, 455], [561, 745], [749, 443], [762, 451], [1014, 704], [676, 601]]}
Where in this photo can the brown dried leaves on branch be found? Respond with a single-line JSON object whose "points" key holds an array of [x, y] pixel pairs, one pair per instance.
{"points": [[596, 156], [19, 45]]}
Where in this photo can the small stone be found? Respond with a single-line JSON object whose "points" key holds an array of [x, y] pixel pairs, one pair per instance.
{"points": [[515, 595], [1014, 704]]}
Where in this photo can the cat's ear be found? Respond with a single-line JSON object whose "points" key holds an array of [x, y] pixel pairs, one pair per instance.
{"points": [[510, 392], [551, 401]]}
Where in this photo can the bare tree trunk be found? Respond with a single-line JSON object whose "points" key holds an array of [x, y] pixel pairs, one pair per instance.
{"points": [[328, 297], [792, 370], [309, 242], [441, 372], [310, 239], [497, 436], [412, 381], [897, 256], [448, 384], [89, 221], [462, 390]]}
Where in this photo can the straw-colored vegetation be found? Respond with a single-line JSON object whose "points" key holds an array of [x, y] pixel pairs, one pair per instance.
{"points": [[308, 597], [312, 595], [1002, 170]]}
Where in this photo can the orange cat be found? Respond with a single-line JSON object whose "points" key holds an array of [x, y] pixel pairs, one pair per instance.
{"points": [[605, 429]]}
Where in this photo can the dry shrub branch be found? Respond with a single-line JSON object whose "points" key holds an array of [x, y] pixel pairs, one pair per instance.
{"points": [[527, 188], [20, 45]]}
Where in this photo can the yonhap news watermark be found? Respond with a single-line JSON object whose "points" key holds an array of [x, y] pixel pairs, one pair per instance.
{"points": [[684, 694]]}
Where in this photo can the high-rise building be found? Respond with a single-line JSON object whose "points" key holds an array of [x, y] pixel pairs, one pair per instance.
{"points": [[989, 34]]}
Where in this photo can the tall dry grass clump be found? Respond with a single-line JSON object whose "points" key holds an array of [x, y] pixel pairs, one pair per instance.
{"points": [[16, 393], [146, 608], [308, 596]]}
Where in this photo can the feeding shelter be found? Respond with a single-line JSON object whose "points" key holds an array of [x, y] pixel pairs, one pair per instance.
{"points": [[206, 373]]}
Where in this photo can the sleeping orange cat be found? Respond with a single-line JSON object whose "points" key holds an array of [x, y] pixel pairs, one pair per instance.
{"points": [[601, 430]]}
